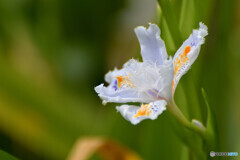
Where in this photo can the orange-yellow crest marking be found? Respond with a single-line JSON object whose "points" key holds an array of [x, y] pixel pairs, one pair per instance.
{"points": [[143, 110], [180, 61], [124, 80]]}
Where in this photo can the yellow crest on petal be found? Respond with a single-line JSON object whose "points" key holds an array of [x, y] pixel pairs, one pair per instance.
{"points": [[144, 110], [179, 62]]}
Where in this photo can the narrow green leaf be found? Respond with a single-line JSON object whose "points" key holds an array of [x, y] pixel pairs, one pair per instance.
{"points": [[211, 138], [167, 36], [6, 156], [171, 19], [187, 18]]}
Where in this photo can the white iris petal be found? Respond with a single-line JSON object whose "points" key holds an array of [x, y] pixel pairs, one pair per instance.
{"points": [[188, 53], [153, 49]]}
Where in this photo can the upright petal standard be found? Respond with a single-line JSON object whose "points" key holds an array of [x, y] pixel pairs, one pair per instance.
{"points": [[153, 81]]}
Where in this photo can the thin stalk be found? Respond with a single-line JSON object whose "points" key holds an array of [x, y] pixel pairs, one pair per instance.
{"points": [[176, 112]]}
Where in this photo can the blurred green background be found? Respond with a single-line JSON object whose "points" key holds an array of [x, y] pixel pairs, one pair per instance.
{"points": [[54, 52]]}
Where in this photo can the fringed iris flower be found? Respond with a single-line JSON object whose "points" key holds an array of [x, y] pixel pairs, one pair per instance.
{"points": [[153, 81]]}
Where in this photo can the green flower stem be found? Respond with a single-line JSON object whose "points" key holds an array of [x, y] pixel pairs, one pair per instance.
{"points": [[195, 126]]}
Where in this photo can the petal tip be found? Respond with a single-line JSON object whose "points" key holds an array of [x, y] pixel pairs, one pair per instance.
{"points": [[98, 88], [104, 102], [203, 29], [139, 29], [151, 28]]}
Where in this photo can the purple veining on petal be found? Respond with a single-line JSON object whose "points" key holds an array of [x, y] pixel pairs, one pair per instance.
{"points": [[115, 85], [151, 93], [193, 44], [155, 90], [154, 93], [155, 108]]}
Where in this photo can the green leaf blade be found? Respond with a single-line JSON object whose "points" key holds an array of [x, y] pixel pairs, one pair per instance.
{"points": [[6, 156]]}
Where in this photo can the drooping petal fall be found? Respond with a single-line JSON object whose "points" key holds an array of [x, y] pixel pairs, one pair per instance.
{"points": [[121, 88], [137, 82], [136, 114], [108, 94]]}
